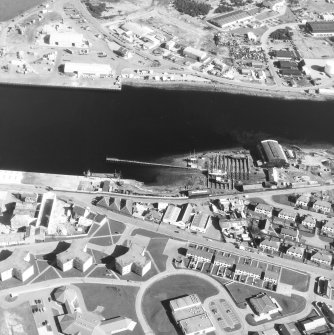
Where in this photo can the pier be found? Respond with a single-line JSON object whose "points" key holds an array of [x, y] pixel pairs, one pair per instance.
{"points": [[127, 161]]}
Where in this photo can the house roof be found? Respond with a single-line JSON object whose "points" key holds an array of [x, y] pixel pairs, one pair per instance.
{"points": [[262, 304], [296, 250], [322, 203], [200, 220], [270, 243], [249, 269], [289, 232], [287, 212], [329, 224], [322, 257], [264, 207], [75, 251], [135, 254], [199, 253], [223, 259], [271, 274], [17, 260], [304, 198]]}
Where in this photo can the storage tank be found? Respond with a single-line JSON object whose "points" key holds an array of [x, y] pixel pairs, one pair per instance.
{"points": [[329, 68]]}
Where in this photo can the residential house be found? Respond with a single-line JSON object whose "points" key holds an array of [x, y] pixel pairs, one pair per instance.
{"points": [[200, 255], [248, 270], [270, 245], [271, 276], [226, 262], [322, 258], [288, 215], [303, 200], [309, 222], [328, 228], [290, 234], [322, 206], [264, 209], [297, 252]]}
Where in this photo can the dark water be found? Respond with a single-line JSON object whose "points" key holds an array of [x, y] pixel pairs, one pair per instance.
{"points": [[69, 131]]}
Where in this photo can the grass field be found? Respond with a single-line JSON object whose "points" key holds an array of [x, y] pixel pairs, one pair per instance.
{"points": [[282, 199], [116, 301], [299, 281], [156, 301], [17, 321], [12, 8], [240, 293]]}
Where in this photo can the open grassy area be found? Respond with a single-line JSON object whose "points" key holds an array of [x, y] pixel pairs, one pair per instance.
{"points": [[299, 281], [116, 301], [290, 305], [282, 199], [156, 301], [17, 321]]}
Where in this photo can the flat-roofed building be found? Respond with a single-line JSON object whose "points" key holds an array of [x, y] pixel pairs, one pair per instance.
{"points": [[193, 53], [17, 265], [88, 69], [138, 30], [284, 55], [171, 215], [264, 306], [248, 270], [288, 215], [315, 325], [320, 28], [309, 222], [200, 222], [328, 228], [264, 209], [188, 301], [66, 39], [200, 255], [191, 316], [271, 276], [133, 260], [196, 325], [297, 252], [75, 256], [270, 245], [226, 262], [322, 206], [272, 153], [322, 258]]}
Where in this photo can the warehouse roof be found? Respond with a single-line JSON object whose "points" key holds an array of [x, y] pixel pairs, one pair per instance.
{"points": [[273, 150], [185, 302], [321, 26], [200, 220]]}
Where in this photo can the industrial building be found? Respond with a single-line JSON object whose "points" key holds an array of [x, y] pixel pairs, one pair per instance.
{"points": [[133, 260], [87, 69], [320, 28], [272, 153], [66, 39], [17, 265], [191, 316], [193, 53], [75, 256], [136, 29], [200, 222]]}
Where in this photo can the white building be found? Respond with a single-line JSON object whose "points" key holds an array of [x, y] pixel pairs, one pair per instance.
{"points": [[17, 265], [87, 69], [75, 256], [287, 215], [322, 258], [171, 215], [66, 39], [309, 222], [264, 306], [193, 53], [134, 260], [303, 200], [270, 245], [297, 252]]}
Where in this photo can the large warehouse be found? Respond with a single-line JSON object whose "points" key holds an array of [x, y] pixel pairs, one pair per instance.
{"points": [[272, 153], [320, 28], [87, 69]]}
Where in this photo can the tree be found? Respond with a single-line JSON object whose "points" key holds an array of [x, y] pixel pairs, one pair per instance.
{"points": [[192, 7]]}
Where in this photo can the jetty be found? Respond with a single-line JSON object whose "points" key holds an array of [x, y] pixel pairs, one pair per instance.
{"points": [[134, 162]]}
